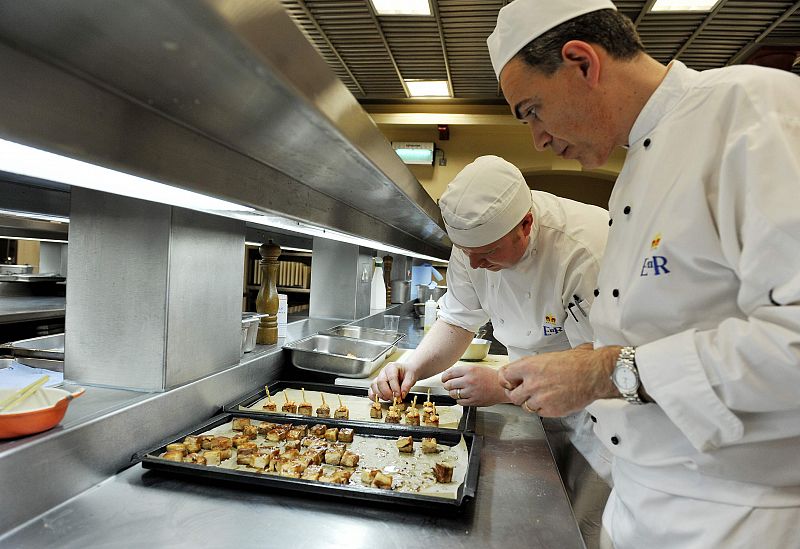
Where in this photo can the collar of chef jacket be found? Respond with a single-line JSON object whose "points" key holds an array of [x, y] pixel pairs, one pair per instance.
{"points": [[668, 94]]}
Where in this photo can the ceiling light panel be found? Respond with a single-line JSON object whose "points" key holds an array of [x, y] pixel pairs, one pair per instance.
{"points": [[402, 7], [683, 5], [428, 88]]}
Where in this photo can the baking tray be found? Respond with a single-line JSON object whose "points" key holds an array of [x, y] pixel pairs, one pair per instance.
{"points": [[466, 424], [342, 356], [274, 483], [369, 334]]}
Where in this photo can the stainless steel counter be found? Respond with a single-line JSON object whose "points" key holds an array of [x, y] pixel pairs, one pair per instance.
{"points": [[25, 308], [520, 503]]}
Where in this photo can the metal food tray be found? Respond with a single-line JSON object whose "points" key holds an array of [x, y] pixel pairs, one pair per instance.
{"points": [[467, 423], [369, 334], [343, 356], [50, 347], [466, 491]]}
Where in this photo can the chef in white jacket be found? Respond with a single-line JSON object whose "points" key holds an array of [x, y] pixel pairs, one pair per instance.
{"points": [[528, 260], [694, 380]]}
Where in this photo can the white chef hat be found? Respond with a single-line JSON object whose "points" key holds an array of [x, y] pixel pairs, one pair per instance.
{"points": [[524, 20], [484, 202]]}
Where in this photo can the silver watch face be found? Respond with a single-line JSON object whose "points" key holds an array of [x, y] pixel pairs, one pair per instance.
{"points": [[625, 379]]}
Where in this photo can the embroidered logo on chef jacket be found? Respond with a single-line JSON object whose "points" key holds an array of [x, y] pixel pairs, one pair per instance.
{"points": [[654, 265], [549, 327]]}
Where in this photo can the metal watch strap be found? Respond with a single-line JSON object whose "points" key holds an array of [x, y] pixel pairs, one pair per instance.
{"points": [[627, 358]]}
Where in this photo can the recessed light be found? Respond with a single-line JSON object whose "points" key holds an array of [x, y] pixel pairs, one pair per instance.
{"points": [[428, 88], [402, 7], [684, 5]]}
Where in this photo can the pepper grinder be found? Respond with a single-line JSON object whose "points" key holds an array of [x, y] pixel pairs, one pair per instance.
{"points": [[267, 299], [387, 277]]}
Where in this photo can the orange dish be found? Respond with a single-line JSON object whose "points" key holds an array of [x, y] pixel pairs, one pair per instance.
{"points": [[41, 411]]}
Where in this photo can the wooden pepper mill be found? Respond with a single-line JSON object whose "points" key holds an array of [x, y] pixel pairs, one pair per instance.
{"points": [[267, 299], [387, 277]]}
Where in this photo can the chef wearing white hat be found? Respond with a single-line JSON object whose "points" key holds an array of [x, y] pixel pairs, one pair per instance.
{"points": [[694, 375], [527, 260]]}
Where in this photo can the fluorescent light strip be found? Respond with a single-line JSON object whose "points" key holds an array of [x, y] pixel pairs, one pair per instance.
{"points": [[24, 160], [37, 217], [31, 162], [402, 7], [683, 5], [283, 248], [34, 239], [304, 228], [428, 88]]}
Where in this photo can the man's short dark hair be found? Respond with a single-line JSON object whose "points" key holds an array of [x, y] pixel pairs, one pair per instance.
{"points": [[608, 28]]}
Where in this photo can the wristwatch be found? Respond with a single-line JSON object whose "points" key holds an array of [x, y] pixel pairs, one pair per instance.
{"points": [[626, 375]]}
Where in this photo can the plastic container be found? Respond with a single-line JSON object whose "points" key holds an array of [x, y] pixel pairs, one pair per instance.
{"points": [[249, 331], [430, 314]]}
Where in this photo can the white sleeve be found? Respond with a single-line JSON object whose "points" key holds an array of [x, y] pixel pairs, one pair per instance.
{"points": [[746, 364], [460, 305]]}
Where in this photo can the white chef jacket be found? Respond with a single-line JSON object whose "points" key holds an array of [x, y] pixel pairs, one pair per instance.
{"points": [[702, 276], [532, 305]]}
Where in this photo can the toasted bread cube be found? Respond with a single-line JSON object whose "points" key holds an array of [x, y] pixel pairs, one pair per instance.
{"points": [[291, 469], [349, 459], [266, 426], [221, 443], [315, 455], [332, 434], [393, 416], [290, 454], [292, 445], [250, 431], [238, 440], [432, 420], [368, 475], [382, 481], [305, 409], [312, 472], [177, 447], [239, 423], [225, 454], [443, 472], [429, 446], [345, 435], [193, 444], [173, 456], [376, 411], [405, 444], [332, 456], [342, 413], [247, 448], [340, 476], [270, 406], [289, 408], [213, 457], [412, 417], [297, 433], [245, 460], [324, 411], [260, 462], [276, 435], [318, 430]]}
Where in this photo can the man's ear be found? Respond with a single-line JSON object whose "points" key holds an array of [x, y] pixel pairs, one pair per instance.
{"points": [[527, 224], [583, 56]]}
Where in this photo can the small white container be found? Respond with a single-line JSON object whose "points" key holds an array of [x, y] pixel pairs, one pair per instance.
{"points": [[249, 331]]}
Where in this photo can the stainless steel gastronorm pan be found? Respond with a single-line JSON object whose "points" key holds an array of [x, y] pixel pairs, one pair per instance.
{"points": [[370, 334], [343, 356]]}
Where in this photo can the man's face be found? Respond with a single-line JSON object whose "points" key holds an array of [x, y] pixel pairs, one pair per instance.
{"points": [[562, 111], [503, 253]]}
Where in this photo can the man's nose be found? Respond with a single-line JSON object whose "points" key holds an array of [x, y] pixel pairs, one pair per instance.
{"points": [[541, 139], [475, 262]]}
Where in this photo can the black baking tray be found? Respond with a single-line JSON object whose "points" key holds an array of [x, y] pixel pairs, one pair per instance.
{"points": [[466, 425], [273, 483]]}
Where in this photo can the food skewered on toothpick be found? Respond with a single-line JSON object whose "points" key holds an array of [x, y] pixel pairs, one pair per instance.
{"points": [[305, 407], [324, 410], [375, 409], [428, 401], [270, 406], [432, 418], [341, 412], [290, 406], [412, 415], [393, 415], [427, 407]]}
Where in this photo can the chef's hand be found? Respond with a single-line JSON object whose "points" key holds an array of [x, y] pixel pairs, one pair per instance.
{"points": [[558, 384], [474, 385], [395, 380]]}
